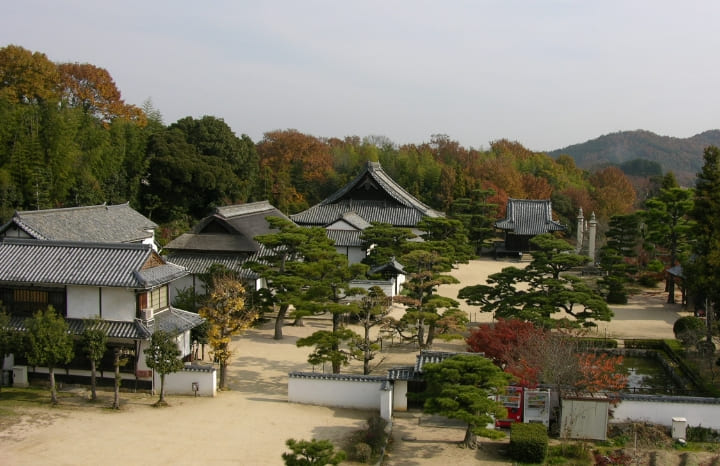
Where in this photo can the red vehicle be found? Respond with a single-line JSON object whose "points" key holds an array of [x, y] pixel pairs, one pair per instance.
{"points": [[513, 402]]}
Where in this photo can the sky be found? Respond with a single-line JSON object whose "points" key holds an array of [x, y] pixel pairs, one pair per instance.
{"points": [[545, 73]]}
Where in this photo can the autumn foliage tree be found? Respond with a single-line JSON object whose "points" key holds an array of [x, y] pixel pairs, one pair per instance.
{"points": [[535, 355], [227, 316]]}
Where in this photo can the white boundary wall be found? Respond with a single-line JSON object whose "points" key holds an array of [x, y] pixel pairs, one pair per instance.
{"points": [[341, 391], [703, 412], [183, 382]]}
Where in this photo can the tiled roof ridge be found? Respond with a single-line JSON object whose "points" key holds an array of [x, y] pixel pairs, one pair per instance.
{"points": [[67, 209], [242, 209], [74, 244]]}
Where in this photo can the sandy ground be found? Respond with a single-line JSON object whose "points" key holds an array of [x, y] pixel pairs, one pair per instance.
{"points": [[249, 423]]}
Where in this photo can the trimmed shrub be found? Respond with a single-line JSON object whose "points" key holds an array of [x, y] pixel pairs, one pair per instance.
{"points": [[362, 452], [528, 442], [689, 330]]}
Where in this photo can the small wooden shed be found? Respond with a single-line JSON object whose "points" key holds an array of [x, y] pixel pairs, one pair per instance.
{"points": [[584, 416]]}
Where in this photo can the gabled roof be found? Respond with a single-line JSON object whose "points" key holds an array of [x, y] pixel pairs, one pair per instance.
{"points": [[392, 266], [529, 217], [78, 263], [101, 223], [231, 229], [372, 195]]}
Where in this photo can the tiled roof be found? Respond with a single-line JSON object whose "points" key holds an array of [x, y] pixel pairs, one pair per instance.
{"points": [[355, 220], [425, 357], [172, 320], [398, 207], [343, 377], [92, 264], [102, 223], [231, 230], [529, 217], [131, 330], [370, 211], [345, 238], [199, 262]]}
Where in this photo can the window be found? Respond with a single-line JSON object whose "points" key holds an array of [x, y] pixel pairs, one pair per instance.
{"points": [[27, 301], [156, 299]]}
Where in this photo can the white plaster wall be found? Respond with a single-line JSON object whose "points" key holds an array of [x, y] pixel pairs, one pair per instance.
{"points": [[83, 301], [176, 286], [335, 393], [118, 304], [657, 412], [181, 382]]}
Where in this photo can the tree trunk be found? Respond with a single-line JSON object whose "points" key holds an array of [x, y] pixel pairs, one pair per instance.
{"points": [[421, 333], [368, 352], [223, 371], [162, 389], [671, 290], [53, 391], [116, 398], [93, 383], [280, 321], [470, 440], [430, 336]]}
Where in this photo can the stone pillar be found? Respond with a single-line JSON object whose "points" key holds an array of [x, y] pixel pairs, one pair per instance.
{"points": [[580, 231], [591, 237]]}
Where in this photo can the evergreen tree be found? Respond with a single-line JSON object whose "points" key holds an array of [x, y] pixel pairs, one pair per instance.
{"points": [[49, 343], [163, 356], [463, 387], [668, 225], [541, 289], [94, 338], [702, 270]]}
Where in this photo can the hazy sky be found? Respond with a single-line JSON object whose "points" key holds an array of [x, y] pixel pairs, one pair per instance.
{"points": [[544, 73]]}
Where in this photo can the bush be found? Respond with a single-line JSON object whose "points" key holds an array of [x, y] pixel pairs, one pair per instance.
{"points": [[585, 344], [689, 330], [702, 434], [528, 442], [362, 452], [376, 436]]}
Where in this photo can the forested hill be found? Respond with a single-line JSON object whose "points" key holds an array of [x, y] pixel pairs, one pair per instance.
{"points": [[684, 157]]}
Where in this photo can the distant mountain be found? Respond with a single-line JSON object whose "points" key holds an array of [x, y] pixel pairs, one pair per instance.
{"points": [[684, 157]]}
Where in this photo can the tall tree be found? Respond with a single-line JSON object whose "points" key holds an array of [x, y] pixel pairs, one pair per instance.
{"points": [[27, 77], [374, 307], [668, 226], [327, 289], [227, 315], [279, 265], [49, 343], [477, 213], [92, 89], [463, 387], [427, 314], [619, 256], [94, 339], [163, 356], [702, 270]]}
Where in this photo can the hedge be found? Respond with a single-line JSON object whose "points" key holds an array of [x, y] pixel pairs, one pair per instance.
{"points": [[528, 442]]}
